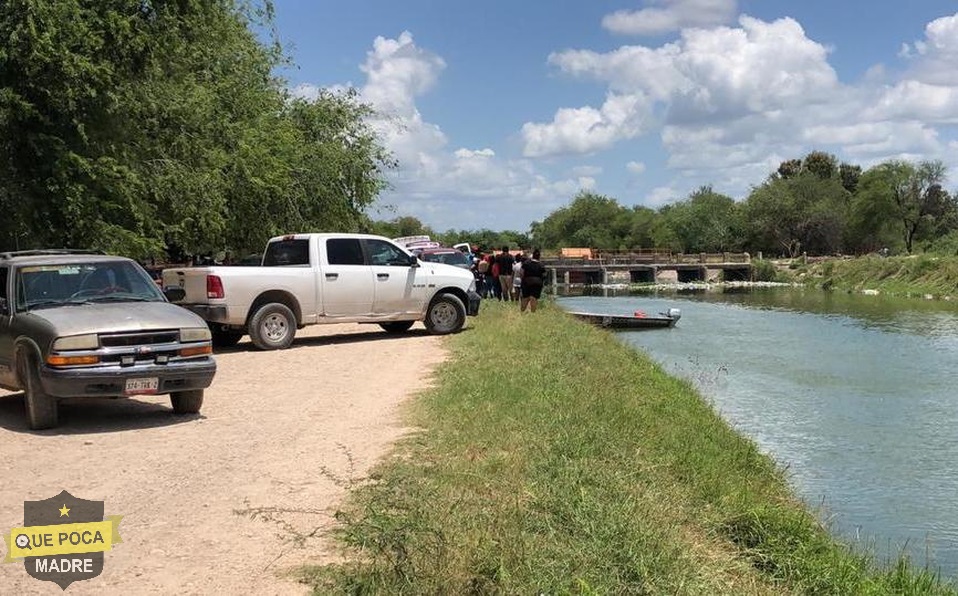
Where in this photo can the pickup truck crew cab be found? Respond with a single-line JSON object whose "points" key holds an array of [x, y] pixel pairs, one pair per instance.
{"points": [[76, 324], [308, 279]]}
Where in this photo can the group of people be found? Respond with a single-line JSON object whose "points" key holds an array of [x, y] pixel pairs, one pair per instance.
{"points": [[511, 278]]}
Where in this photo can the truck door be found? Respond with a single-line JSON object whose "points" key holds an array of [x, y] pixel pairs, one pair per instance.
{"points": [[399, 286], [346, 279], [6, 334]]}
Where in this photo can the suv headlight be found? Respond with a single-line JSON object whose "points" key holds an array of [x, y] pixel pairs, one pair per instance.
{"points": [[191, 334], [472, 286], [77, 342]]}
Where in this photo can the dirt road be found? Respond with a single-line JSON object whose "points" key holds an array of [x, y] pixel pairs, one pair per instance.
{"points": [[212, 504]]}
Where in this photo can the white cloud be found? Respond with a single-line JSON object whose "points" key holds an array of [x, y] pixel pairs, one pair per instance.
{"points": [[727, 104], [661, 195], [933, 60], [441, 186], [718, 75], [670, 15], [467, 154], [583, 130], [730, 103], [397, 70]]}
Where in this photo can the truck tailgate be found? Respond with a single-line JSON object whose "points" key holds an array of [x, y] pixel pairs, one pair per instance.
{"points": [[191, 279]]}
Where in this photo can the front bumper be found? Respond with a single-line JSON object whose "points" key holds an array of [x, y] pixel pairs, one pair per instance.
{"points": [[111, 381], [472, 309]]}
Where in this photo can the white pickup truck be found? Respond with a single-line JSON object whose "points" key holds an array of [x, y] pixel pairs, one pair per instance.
{"points": [[308, 279]]}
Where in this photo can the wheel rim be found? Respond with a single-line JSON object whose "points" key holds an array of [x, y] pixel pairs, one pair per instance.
{"points": [[275, 328], [444, 316]]}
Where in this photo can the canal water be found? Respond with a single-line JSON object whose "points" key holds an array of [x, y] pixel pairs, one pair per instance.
{"points": [[855, 395]]}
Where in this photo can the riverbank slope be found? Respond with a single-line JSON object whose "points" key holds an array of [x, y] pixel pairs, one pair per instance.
{"points": [[554, 459], [923, 275]]}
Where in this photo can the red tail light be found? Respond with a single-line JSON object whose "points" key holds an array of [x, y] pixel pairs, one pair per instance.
{"points": [[214, 287]]}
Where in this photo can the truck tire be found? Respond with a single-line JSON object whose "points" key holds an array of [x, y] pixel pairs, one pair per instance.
{"points": [[225, 337], [397, 326], [272, 327], [42, 409], [446, 314], [187, 402]]}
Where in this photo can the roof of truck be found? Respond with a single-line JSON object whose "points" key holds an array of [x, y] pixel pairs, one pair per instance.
{"points": [[304, 235], [56, 256]]}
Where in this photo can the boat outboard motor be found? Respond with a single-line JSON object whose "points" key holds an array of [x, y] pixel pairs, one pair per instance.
{"points": [[675, 313]]}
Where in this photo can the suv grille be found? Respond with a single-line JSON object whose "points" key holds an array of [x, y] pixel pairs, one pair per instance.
{"points": [[139, 339]]}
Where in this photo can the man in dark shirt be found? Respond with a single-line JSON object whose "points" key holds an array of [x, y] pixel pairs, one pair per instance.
{"points": [[505, 261]]}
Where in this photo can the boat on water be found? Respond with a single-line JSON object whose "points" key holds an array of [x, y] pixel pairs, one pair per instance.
{"points": [[638, 320]]}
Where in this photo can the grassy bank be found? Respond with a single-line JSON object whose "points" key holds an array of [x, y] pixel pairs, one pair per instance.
{"points": [[917, 275], [553, 459]]}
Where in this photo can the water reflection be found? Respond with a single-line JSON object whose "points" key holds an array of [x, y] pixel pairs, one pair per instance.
{"points": [[909, 315], [853, 393]]}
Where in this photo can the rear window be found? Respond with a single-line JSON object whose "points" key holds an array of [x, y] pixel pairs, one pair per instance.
{"points": [[284, 253]]}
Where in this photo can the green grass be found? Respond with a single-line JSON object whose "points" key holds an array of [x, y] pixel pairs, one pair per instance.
{"points": [[553, 459], [903, 276]]}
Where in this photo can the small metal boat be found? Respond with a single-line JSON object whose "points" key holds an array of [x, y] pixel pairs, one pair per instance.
{"points": [[638, 320]]}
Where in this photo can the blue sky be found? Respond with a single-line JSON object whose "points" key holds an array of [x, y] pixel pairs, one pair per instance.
{"points": [[499, 112]]}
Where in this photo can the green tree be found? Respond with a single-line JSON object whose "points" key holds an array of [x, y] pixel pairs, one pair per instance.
{"points": [[909, 195], [405, 225], [821, 164], [642, 228], [132, 125], [850, 175], [806, 213], [790, 168], [589, 221], [703, 222]]}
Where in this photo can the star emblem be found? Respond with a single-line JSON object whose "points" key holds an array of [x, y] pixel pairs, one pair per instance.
{"points": [[64, 511]]}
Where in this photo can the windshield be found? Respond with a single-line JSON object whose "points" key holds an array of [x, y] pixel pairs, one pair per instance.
{"points": [[453, 257], [44, 286]]}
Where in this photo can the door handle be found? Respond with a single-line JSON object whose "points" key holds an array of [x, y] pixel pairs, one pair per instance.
{"points": [[332, 276], [382, 275]]}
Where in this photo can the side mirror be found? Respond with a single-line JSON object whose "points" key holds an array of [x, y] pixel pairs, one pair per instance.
{"points": [[174, 293], [413, 261], [3, 306]]}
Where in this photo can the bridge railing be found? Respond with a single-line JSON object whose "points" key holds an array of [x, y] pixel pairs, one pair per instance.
{"points": [[646, 257]]}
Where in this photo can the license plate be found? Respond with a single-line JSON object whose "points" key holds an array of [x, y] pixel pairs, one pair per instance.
{"points": [[140, 386]]}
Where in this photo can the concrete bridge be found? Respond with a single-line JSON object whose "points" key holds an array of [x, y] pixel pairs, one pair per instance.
{"points": [[646, 266]]}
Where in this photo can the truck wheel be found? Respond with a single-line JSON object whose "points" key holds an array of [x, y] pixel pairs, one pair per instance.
{"points": [[225, 337], [187, 402], [41, 408], [446, 314], [272, 327], [396, 326]]}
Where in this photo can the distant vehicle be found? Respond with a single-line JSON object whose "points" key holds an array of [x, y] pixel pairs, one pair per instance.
{"points": [[449, 256], [308, 279], [76, 324], [417, 244]]}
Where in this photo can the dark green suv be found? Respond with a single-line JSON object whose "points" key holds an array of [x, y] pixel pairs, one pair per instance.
{"points": [[78, 324]]}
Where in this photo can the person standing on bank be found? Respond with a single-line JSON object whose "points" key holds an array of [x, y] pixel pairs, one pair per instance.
{"points": [[532, 273], [517, 277], [505, 262]]}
